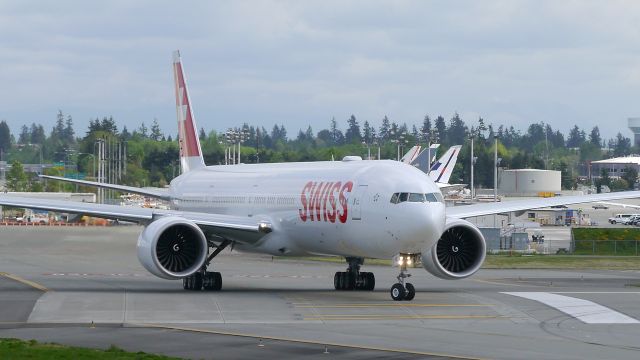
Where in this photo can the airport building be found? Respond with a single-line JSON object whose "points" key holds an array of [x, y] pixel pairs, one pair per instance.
{"points": [[615, 167], [529, 182]]}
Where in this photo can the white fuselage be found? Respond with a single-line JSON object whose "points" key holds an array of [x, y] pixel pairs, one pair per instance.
{"points": [[329, 208]]}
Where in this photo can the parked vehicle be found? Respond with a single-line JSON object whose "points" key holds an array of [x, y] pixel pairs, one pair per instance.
{"points": [[600, 206], [620, 218], [633, 220]]}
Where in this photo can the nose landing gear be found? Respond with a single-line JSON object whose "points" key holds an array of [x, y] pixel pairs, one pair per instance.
{"points": [[403, 290]]}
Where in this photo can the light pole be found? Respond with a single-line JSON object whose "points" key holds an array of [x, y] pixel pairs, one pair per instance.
{"points": [[432, 136], [495, 169], [368, 149], [473, 160]]}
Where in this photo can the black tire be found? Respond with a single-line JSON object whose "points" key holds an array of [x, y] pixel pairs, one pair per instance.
{"points": [[185, 283], [336, 280], [217, 281], [411, 292], [398, 292], [371, 281], [347, 282], [209, 281], [196, 281]]}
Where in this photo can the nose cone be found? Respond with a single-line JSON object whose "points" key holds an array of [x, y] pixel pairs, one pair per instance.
{"points": [[423, 226]]}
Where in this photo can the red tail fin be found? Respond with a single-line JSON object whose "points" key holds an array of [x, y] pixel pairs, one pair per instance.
{"points": [[190, 151]]}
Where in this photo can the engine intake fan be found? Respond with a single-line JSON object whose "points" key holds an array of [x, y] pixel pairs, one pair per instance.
{"points": [[458, 253]]}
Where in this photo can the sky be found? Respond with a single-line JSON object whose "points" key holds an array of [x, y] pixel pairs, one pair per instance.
{"points": [[300, 63]]}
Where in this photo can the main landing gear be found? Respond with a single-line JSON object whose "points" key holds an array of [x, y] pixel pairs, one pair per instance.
{"points": [[353, 279], [403, 290], [203, 279]]}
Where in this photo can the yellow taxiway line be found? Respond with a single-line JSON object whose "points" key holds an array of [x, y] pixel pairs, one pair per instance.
{"points": [[301, 341], [401, 305], [399, 317], [24, 281]]}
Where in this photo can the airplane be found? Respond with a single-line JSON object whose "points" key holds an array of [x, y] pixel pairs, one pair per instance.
{"points": [[352, 208]]}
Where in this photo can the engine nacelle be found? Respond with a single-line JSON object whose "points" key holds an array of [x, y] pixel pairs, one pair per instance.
{"points": [[172, 248], [458, 253]]}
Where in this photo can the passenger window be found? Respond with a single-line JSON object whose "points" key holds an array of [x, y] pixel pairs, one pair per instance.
{"points": [[394, 198], [404, 197], [415, 197]]}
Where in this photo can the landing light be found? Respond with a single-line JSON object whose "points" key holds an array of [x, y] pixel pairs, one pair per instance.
{"points": [[400, 260]]}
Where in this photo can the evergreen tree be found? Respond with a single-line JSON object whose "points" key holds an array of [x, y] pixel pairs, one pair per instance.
{"points": [[575, 138], [58, 130], [385, 128], [425, 130], [143, 130], [622, 145], [441, 129], [5, 137], [202, 135], [37, 134], [68, 134], [366, 132], [337, 138], [125, 135], [156, 133], [25, 135], [457, 130], [353, 134], [594, 136]]}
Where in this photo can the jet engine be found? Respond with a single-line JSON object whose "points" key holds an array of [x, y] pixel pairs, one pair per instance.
{"points": [[172, 248], [458, 253]]}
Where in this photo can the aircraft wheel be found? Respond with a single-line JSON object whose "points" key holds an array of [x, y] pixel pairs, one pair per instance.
{"points": [[217, 281], [411, 292], [398, 292]]}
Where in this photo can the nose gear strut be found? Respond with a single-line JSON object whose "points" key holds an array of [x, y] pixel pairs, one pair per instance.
{"points": [[403, 290], [353, 278]]}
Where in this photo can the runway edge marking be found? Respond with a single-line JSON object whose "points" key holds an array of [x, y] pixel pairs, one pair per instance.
{"points": [[302, 341], [30, 283], [584, 310]]}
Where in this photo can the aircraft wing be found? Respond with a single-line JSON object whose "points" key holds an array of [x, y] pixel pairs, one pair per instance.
{"points": [[465, 211], [238, 228], [130, 189]]}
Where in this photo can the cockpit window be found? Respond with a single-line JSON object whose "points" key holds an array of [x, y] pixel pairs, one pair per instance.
{"points": [[397, 198]]}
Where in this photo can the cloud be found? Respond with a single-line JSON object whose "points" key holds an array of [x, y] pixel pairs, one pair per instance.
{"points": [[300, 63]]}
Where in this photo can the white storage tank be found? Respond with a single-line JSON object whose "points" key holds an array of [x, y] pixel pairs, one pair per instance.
{"points": [[529, 182]]}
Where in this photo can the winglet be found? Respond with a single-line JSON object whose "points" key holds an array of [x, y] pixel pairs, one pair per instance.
{"points": [[190, 150]]}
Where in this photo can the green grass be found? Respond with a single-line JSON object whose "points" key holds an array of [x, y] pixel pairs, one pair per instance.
{"points": [[19, 349], [562, 262], [523, 262], [629, 233]]}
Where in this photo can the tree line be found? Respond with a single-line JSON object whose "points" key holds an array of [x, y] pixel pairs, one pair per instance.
{"points": [[152, 157]]}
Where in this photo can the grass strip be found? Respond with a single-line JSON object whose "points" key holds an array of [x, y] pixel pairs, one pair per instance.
{"points": [[20, 349]]}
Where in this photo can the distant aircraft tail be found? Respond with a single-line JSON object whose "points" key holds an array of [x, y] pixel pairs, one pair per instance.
{"points": [[443, 168], [421, 161], [190, 151], [411, 155]]}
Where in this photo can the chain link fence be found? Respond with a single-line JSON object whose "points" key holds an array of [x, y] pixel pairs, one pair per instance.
{"points": [[606, 247]]}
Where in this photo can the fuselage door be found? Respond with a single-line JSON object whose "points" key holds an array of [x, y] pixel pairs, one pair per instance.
{"points": [[356, 202]]}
